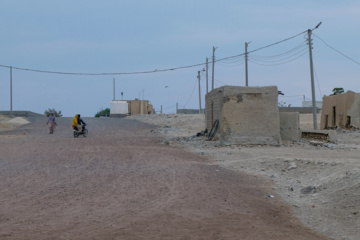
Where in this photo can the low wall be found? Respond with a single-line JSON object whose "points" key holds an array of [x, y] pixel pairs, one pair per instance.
{"points": [[298, 109], [189, 111], [289, 126], [320, 135]]}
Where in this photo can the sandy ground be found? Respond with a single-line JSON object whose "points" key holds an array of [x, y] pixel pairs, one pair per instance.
{"points": [[137, 181], [320, 183]]}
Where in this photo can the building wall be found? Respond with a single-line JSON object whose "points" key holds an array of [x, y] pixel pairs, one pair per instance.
{"points": [[214, 103], [247, 115], [140, 107], [342, 110], [290, 126]]}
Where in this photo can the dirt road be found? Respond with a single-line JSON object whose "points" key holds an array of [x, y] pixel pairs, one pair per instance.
{"points": [[120, 183]]}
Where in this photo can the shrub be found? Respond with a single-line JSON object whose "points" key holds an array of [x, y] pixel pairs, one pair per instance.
{"points": [[103, 113], [337, 91], [57, 114]]}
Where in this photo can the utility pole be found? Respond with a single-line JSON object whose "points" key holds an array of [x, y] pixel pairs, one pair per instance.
{"points": [[199, 92], [312, 77], [114, 89], [10, 90], [213, 66], [207, 71], [246, 64]]}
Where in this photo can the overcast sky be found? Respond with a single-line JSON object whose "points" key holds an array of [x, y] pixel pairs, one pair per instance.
{"points": [[130, 36]]}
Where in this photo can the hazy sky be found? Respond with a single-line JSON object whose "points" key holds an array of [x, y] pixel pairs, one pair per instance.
{"points": [[128, 36]]}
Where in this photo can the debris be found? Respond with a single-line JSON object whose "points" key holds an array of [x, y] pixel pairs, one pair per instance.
{"points": [[292, 166], [308, 190], [317, 143]]}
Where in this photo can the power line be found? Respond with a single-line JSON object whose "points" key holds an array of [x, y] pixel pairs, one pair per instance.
{"points": [[275, 64], [220, 82], [270, 45], [107, 74], [282, 59], [169, 107], [228, 64], [302, 45], [190, 94], [150, 71], [317, 80], [337, 50]]}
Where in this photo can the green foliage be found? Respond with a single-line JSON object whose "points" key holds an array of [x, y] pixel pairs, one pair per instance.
{"points": [[103, 113], [337, 91], [56, 113]]}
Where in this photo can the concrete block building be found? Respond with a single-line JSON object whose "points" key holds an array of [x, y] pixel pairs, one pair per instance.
{"points": [[123, 108], [342, 110], [246, 115], [140, 107]]}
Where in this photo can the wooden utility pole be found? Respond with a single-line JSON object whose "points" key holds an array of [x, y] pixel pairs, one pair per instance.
{"points": [[213, 66], [246, 64], [312, 78], [114, 89], [207, 70], [199, 92], [10, 90]]}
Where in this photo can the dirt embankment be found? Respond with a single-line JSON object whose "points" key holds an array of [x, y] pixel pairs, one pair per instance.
{"points": [[320, 183]]}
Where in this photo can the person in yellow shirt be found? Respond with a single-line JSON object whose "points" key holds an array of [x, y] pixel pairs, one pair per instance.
{"points": [[75, 122]]}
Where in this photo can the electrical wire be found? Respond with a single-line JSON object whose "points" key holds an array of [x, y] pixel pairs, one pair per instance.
{"points": [[337, 50], [220, 82], [275, 64], [301, 52], [230, 66], [169, 107], [150, 71], [192, 92], [317, 81], [273, 44], [282, 54]]}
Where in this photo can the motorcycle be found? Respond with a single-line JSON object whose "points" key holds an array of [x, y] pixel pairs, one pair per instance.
{"points": [[84, 132]]}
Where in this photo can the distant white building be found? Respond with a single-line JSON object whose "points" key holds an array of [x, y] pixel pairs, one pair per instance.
{"points": [[309, 104]]}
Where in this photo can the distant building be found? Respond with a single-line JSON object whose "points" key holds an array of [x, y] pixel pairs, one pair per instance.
{"points": [[122, 108], [342, 110], [140, 107], [318, 104]]}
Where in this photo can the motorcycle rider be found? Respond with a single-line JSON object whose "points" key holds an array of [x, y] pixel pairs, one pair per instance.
{"points": [[78, 124]]}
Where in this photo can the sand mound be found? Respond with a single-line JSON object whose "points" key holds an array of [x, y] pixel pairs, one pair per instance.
{"points": [[18, 120]]}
